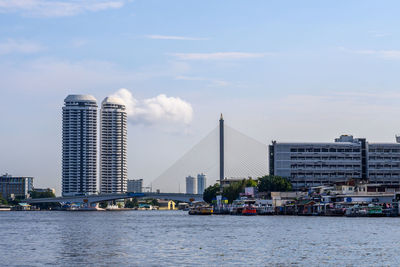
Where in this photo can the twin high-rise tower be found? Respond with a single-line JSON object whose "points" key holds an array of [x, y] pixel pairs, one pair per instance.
{"points": [[113, 170], [79, 149]]}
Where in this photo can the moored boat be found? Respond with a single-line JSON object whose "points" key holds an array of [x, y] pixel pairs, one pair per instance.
{"points": [[249, 210], [5, 208], [202, 210]]}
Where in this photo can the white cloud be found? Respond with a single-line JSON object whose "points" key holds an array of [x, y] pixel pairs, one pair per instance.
{"points": [[218, 55], [159, 109], [171, 37], [211, 82], [378, 34], [385, 54], [59, 8], [10, 46]]}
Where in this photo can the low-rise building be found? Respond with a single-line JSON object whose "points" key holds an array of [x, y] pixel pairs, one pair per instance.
{"points": [[18, 187], [166, 205], [282, 198]]}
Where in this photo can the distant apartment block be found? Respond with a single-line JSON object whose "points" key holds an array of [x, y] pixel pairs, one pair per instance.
{"points": [[313, 164], [18, 187], [135, 185], [201, 183], [113, 146], [191, 185], [79, 145]]}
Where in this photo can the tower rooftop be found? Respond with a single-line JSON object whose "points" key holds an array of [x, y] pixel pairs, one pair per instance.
{"points": [[113, 100], [80, 98]]}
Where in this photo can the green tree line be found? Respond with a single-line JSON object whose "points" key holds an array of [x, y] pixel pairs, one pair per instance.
{"points": [[267, 183]]}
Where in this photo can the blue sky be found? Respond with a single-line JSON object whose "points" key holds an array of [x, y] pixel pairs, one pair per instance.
{"points": [[285, 70]]}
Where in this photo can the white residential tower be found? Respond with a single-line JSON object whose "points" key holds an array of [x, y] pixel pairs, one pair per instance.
{"points": [[113, 131], [79, 145]]}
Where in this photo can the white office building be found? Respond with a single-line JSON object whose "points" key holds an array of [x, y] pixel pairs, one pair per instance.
{"points": [[113, 132], [313, 164], [79, 145], [201, 183], [191, 185]]}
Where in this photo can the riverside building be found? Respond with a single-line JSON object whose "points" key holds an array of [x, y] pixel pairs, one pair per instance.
{"points": [[79, 145], [314, 164], [11, 186], [191, 185], [113, 132]]}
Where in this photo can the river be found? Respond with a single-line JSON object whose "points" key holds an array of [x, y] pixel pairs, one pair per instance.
{"points": [[173, 238]]}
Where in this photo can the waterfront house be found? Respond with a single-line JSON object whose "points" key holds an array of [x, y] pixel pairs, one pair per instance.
{"points": [[166, 205], [281, 198]]}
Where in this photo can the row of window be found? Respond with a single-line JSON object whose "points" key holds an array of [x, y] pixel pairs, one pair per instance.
{"points": [[323, 158], [329, 174], [316, 150], [377, 175], [384, 150], [323, 166], [384, 158], [384, 166]]}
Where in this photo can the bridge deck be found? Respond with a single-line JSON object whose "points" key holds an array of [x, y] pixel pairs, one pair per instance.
{"points": [[110, 197]]}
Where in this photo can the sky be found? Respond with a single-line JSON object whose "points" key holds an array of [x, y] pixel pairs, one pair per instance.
{"points": [[277, 70]]}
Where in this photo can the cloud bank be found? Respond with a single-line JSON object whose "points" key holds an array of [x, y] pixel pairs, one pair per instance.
{"points": [[159, 109], [391, 54], [10, 46], [58, 8], [386, 54]]}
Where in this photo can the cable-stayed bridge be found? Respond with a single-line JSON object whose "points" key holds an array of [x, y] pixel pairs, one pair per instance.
{"points": [[223, 153], [243, 157]]}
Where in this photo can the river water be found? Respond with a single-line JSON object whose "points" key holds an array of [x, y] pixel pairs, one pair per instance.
{"points": [[173, 238]]}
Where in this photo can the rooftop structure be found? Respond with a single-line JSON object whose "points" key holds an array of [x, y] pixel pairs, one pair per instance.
{"points": [[80, 98]]}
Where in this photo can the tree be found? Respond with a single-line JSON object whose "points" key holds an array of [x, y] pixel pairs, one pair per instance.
{"points": [[103, 204], [233, 191], [251, 183], [2, 200], [154, 202], [271, 183], [131, 203], [46, 194], [210, 193]]}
